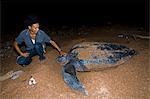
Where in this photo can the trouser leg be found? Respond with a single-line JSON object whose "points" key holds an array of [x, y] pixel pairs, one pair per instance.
{"points": [[39, 50], [26, 60]]}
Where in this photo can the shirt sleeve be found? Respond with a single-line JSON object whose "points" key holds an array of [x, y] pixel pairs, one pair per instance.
{"points": [[19, 39], [47, 38]]}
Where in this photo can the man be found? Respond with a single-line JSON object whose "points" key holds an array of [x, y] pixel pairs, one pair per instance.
{"points": [[34, 39]]}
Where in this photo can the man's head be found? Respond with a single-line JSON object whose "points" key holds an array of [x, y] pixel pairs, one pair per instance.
{"points": [[32, 22]]}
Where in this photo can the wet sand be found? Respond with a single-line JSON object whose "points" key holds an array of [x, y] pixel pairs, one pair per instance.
{"points": [[127, 81]]}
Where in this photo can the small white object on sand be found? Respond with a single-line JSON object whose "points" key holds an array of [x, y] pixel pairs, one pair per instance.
{"points": [[32, 81]]}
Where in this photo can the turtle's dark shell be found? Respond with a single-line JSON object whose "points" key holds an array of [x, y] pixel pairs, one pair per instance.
{"points": [[88, 56]]}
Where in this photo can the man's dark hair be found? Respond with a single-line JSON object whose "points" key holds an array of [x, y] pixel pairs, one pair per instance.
{"points": [[31, 19]]}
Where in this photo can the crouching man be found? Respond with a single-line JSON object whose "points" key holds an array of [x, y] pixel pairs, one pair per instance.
{"points": [[34, 39]]}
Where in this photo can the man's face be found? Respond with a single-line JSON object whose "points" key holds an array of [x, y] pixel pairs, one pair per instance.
{"points": [[34, 28]]}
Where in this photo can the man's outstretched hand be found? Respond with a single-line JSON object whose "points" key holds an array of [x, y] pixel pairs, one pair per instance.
{"points": [[62, 53]]}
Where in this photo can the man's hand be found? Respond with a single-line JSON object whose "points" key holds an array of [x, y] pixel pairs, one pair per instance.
{"points": [[56, 46], [25, 54], [62, 53]]}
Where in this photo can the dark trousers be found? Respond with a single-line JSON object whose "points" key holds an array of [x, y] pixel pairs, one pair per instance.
{"points": [[37, 50]]}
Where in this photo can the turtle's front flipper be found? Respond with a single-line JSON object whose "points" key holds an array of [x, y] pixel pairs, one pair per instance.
{"points": [[70, 78]]}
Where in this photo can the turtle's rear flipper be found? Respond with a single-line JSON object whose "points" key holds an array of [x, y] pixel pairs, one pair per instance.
{"points": [[70, 78]]}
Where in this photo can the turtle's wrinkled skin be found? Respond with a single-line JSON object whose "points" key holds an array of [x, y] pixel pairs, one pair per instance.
{"points": [[90, 56]]}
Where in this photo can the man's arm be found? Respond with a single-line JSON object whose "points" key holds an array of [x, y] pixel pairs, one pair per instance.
{"points": [[56, 46], [19, 51]]}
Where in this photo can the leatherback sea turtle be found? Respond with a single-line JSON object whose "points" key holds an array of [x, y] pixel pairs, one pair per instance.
{"points": [[90, 56]]}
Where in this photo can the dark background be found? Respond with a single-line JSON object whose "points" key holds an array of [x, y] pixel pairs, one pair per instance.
{"points": [[59, 13]]}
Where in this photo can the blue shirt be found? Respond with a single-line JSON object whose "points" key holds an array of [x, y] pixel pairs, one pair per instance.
{"points": [[24, 36]]}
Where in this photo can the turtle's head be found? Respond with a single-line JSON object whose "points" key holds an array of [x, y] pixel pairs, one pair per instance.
{"points": [[63, 59]]}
